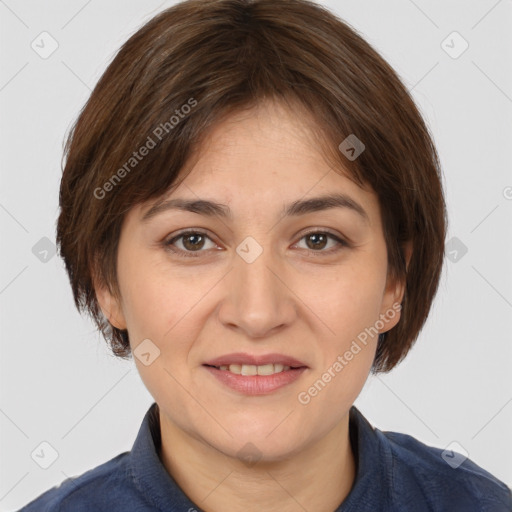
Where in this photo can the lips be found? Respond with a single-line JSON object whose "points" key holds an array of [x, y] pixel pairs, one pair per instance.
{"points": [[242, 378], [255, 360]]}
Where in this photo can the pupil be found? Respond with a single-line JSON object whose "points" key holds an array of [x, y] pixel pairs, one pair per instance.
{"points": [[194, 244], [317, 236]]}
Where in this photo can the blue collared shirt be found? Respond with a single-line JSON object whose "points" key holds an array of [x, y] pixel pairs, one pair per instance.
{"points": [[395, 472]]}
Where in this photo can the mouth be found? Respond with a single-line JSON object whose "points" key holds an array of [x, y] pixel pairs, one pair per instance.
{"points": [[251, 369], [239, 362], [252, 374], [255, 375]]}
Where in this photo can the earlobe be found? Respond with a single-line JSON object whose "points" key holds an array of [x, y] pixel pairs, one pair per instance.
{"points": [[407, 252], [395, 292], [110, 307], [392, 306]]}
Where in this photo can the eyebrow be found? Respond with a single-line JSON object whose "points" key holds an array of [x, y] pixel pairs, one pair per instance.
{"points": [[300, 207]]}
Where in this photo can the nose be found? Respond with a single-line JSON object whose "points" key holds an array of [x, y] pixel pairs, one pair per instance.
{"points": [[257, 299]]}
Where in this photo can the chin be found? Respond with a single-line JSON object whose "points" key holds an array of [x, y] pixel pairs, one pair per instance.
{"points": [[251, 453], [268, 443]]}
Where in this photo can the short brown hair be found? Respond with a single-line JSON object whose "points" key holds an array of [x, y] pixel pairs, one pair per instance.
{"points": [[218, 57]]}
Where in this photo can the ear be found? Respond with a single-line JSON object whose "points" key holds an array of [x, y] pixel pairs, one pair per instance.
{"points": [[394, 293], [110, 305]]}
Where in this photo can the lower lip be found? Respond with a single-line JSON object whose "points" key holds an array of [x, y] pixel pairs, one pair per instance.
{"points": [[256, 384]]}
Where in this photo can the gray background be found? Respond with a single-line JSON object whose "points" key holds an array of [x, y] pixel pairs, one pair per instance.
{"points": [[58, 382]]}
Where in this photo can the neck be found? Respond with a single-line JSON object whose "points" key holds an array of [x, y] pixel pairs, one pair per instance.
{"points": [[317, 478]]}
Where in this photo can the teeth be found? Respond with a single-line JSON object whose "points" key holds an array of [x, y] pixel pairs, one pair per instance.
{"points": [[251, 369]]}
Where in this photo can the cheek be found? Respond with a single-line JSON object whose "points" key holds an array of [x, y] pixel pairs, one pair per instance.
{"points": [[164, 314], [170, 312], [347, 348], [347, 300], [157, 301], [348, 307]]}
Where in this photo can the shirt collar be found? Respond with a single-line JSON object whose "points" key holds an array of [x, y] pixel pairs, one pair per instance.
{"points": [[161, 490], [372, 483], [147, 471]]}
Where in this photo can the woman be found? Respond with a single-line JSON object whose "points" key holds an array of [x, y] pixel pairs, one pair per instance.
{"points": [[252, 205]]}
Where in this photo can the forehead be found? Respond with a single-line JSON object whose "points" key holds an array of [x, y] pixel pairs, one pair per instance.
{"points": [[266, 155], [268, 130]]}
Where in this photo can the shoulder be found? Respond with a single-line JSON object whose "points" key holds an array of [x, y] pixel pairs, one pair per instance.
{"points": [[96, 489], [443, 478]]}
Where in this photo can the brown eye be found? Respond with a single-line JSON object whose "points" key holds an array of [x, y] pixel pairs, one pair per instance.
{"points": [[317, 241], [191, 242]]}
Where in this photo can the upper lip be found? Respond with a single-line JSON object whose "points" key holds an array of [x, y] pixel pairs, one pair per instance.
{"points": [[257, 360]]}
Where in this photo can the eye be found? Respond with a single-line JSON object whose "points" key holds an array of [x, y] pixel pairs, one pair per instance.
{"points": [[190, 241], [193, 242], [316, 242]]}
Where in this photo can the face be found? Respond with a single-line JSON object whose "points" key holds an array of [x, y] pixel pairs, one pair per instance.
{"points": [[260, 279]]}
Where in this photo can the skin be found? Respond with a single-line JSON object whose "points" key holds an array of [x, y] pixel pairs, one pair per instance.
{"points": [[290, 300]]}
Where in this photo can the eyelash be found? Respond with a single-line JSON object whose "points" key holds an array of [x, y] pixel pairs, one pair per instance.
{"points": [[168, 245]]}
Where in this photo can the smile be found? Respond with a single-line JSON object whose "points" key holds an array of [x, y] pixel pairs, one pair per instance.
{"points": [[255, 380], [251, 369]]}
